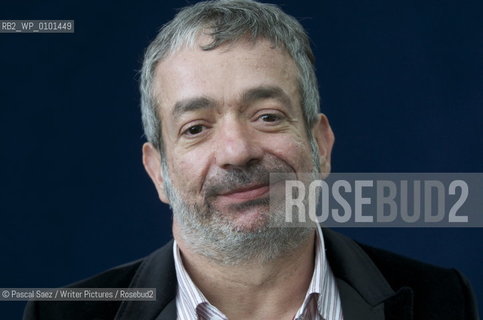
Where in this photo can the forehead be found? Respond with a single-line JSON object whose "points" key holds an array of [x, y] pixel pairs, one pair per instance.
{"points": [[224, 73]]}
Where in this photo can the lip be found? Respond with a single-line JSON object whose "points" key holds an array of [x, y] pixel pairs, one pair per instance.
{"points": [[248, 193]]}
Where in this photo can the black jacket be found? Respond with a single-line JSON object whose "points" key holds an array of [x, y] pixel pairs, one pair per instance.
{"points": [[373, 285]]}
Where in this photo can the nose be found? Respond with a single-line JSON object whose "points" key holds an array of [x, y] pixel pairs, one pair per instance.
{"points": [[237, 146]]}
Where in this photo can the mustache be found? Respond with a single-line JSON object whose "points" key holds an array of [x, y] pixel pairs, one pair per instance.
{"points": [[241, 177]]}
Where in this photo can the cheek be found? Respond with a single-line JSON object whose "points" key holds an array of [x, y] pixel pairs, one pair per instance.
{"points": [[293, 150], [187, 172]]}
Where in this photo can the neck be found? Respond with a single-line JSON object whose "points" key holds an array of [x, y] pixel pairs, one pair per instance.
{"points": [[272, 290]]}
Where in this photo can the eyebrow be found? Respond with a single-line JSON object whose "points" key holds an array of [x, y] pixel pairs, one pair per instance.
{"points": [[248, 97], [266, 92], [192, 104]]}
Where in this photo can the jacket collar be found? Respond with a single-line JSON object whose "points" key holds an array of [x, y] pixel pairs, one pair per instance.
{"points": [[365, 293], [156, 271]]}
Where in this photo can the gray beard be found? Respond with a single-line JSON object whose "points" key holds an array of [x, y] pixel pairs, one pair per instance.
{"points": [[209, 233]]}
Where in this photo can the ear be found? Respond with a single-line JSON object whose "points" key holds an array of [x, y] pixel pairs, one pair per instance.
{"points": [[152, 164], [324, 137]]}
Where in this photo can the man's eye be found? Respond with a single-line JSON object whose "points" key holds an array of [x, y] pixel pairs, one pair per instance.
{"points": [[194, 130], [269, 117]]}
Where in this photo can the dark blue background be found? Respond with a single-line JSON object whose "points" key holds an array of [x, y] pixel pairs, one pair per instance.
{"points": [[400, 81]]}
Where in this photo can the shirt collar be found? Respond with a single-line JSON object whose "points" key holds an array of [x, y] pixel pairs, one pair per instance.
{"points": [[188, 297], [323, 287]]}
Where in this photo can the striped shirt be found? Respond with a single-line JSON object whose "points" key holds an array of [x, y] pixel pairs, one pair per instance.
{"points": [[322, 300]]}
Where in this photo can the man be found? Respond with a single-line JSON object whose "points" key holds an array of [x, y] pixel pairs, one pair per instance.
{"points": [[229, 95]]}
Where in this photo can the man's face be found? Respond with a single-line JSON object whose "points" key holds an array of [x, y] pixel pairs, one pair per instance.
{"points": [[230, 116]]}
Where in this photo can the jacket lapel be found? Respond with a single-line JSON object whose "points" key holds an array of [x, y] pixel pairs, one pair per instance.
{"points": [[400, 306], [169, 312], [355, 307], [158, 271], [365, 293]]}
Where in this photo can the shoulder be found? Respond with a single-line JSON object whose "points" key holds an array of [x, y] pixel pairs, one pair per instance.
{"points": [[118, 277], [434, 288], [434, 292]]}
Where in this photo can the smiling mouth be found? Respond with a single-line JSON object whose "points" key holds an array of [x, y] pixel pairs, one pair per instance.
{"points": [[244, 194]]}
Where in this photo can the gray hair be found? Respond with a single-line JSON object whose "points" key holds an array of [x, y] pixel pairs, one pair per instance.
{"points": [[227, 21]]}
